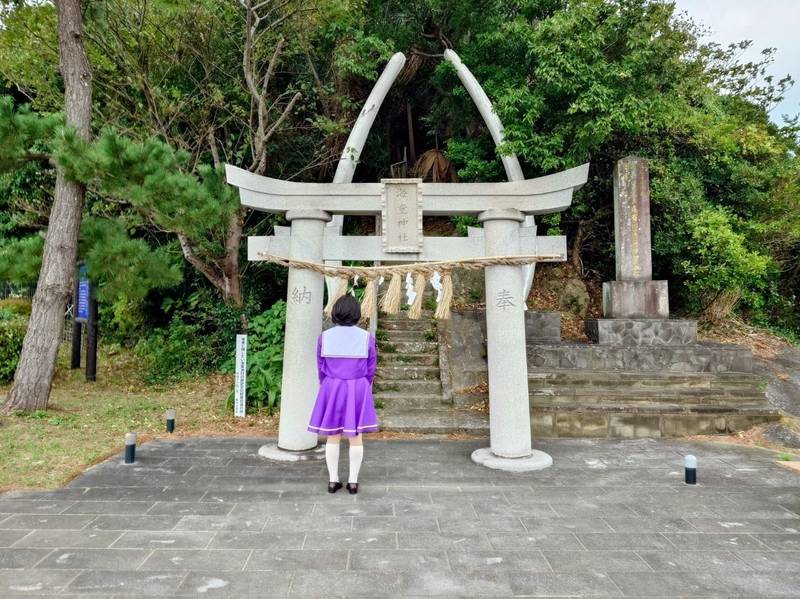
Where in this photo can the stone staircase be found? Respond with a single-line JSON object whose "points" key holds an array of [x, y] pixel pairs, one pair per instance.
{"points": [[408, 386], [576, 389], [597, 403]]}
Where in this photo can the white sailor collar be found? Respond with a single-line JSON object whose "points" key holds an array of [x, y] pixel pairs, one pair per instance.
{"points": [[345, 342]]}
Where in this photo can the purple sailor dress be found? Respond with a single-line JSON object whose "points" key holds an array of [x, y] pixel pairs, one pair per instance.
{"points": [[346, 360]]}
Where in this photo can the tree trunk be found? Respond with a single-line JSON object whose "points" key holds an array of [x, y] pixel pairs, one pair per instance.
{"points": [[577, 245], [34, 375]]}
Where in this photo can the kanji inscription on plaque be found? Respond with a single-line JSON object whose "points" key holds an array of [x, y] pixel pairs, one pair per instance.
{"points": [[401, 215]]}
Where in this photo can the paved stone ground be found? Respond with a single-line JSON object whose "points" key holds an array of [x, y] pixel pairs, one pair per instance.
{"points": [[208, 518]]}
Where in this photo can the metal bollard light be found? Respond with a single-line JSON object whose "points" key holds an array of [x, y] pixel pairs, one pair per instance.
{"points": [[130, 448], [690, 466], [170, 421]]}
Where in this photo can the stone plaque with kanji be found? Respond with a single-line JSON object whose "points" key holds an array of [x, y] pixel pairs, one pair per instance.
{"points": [[401, 215]]}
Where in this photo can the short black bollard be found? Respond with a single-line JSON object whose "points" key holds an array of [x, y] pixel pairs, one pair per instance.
{"points": [[170, 421], [130, 448], [690, 465]]}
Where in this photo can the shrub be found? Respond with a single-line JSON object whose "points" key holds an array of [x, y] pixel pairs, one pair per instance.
{"points": [[177, 352], [720, 267], [199, 338], [12, 332], [265, 358], [18, 306]]}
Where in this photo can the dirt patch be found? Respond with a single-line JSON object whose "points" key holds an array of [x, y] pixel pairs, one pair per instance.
{"points": [[755, 437], [545, 296], [763, 344]]}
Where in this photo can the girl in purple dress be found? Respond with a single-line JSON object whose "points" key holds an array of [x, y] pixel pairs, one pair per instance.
{"points": [[346, 360]]}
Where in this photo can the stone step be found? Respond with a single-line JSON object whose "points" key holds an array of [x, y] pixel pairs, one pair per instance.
{"points": [[660, 421], [651, 407], [435, 421], [645, 404], [638, 380], [406, 324], [407, 373], [408, 387], [400, 336], [403, 316], [409, 347], [393, 400], [686, 396], [395, 359], [600, 422]]}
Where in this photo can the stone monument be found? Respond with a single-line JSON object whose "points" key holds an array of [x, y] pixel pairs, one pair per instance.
{"points": [[636, 308], [634, 294], [502, 207]]}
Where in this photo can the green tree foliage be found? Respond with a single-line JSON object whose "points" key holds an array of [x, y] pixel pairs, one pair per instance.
{"points": [[21, 259], [126, 268], [595, 81], [151, 177], [21, 130], [585, 80]]}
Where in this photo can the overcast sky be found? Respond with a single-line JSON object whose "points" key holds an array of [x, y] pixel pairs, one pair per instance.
{"points": [[769, 23]]}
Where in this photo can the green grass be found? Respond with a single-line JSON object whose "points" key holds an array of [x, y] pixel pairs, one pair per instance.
{"points": [[86, 422]]}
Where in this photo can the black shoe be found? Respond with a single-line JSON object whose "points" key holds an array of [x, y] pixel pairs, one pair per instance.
{"points": [[333, 487], [352, 488]]}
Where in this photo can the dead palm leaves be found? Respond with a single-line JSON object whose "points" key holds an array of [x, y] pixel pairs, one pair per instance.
{"points": [[434, 166]]}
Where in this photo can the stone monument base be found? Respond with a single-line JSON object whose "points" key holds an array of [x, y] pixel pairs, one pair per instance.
{"points": [[538, 460], [635, 299], [642, 331]]}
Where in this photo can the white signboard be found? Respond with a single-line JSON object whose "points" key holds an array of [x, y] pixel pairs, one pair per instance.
{"points": [[240, 389], [401, 215]]}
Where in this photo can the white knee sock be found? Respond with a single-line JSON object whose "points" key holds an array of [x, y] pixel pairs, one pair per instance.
{"points": [[356, 455], [332, 460]]}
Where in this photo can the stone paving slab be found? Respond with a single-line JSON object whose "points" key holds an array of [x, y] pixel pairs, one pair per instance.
{"points": [[209, 518]]}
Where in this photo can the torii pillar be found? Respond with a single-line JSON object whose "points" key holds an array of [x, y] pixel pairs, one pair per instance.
{"points": [[304, 311], [509, 407]]}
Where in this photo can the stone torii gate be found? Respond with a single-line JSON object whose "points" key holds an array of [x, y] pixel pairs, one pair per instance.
{"points": [[501, 207]]}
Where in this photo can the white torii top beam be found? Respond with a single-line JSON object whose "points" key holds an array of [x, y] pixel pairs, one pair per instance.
{"points": [[543, 195]]}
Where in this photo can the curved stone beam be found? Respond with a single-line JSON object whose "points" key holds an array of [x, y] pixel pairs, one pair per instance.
{"points": [[495, 126], [484, 106], [360, 131], [543, 195], [358, 137]]}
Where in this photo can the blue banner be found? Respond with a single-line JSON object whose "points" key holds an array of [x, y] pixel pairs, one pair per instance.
{"points": [[84, 294]]}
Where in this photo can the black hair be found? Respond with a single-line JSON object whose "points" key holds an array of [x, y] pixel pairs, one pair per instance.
{"points": [[346, 311]]}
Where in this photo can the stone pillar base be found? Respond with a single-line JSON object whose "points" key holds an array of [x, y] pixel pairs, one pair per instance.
{"points": [[538, 460], [635, 299], [271, 451]]}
